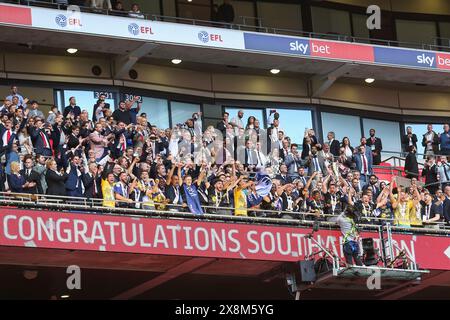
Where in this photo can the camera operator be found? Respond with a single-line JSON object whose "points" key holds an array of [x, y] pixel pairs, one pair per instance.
{"points": [[346, 221]]}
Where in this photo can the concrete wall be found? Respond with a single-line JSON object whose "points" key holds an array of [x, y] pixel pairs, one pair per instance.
{"points": [[220, 86]]}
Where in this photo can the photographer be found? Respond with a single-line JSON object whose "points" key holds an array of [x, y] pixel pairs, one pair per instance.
{"points": [[346, 221]]}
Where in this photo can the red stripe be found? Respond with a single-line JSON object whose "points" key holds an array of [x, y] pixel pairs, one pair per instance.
{"points": [[345, 51], [443, 61], [15, 15]]}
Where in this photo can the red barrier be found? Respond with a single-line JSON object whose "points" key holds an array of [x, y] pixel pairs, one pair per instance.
{"points": [[45, 229]]}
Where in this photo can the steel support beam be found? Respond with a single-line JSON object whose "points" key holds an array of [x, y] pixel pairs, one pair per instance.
{"points": [[183, 268], [322, 82], [123, 64]]}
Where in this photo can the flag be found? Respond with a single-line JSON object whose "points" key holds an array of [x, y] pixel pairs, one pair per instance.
{"points": [[192, 199], [263, 184]]}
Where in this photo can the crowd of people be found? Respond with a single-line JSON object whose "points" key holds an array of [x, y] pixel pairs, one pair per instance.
{"points": [[121, 158]]}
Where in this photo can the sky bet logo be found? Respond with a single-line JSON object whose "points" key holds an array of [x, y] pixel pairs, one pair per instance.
{"points": [[135, 29], [425, 59], [205, 37], [299, 46], [62, 21]]}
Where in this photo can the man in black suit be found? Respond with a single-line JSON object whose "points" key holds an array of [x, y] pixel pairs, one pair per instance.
{"points": [[92, 182], [446, 205], [430, 172], [223, 124], [333, 143], [411, 165], [283, 176], [8, 134], [120, 141], [430, 210], [72, 108], [376, 146], [251, 158], [31, 176], [409, 139], [40, 139]]}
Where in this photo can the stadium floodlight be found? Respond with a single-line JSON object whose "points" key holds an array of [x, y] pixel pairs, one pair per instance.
{"points": [[72, 50], [369, 80], [275, 71], [65, 296], [176, 61]]}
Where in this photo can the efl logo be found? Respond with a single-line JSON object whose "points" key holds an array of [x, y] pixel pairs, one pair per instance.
{"points": [[135, 29], [205, 37], [62, 21]]}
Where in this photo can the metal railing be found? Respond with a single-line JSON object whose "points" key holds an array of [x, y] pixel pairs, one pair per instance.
{"points": [[164, 210], [439, 44]]}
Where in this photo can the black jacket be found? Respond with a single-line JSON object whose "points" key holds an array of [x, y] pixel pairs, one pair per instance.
{"points": [[32, 177], [405, 141], [56, 183], [89, 187], [411, 165]]}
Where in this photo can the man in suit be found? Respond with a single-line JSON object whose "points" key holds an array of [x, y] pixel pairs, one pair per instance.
{"points": [[446, 205], [376, 146], [430, 172], [372, 185], [8, 134], [363, 163], [430, 210], [333, 143], [40, 139], [411, 165], [293, 161], [121, 135], [444, 172], [58, 134], [98, 142], [72, 108], [284, 150], [316, 163], [251, 158], [430, 142], [223, 124], [31, 176], [92, 182], [41, 170], [283, 176], [409, 139], [74, 182]]}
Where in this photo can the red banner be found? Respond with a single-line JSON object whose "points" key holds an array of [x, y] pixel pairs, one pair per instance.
{"points": [[16, 15], [342, 50], [75, 231], [443, 60]]}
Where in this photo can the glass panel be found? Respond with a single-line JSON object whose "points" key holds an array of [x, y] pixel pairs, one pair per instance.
{"points": [[342, 126], [241, 9], [294, 122], [420, 129], [257, 113], [359, 26], [157, 111], [182, 111], [169, 8], [416, 31], [85, 100], [444, 28], [388, 132], [331, 21], [286, 16]]}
